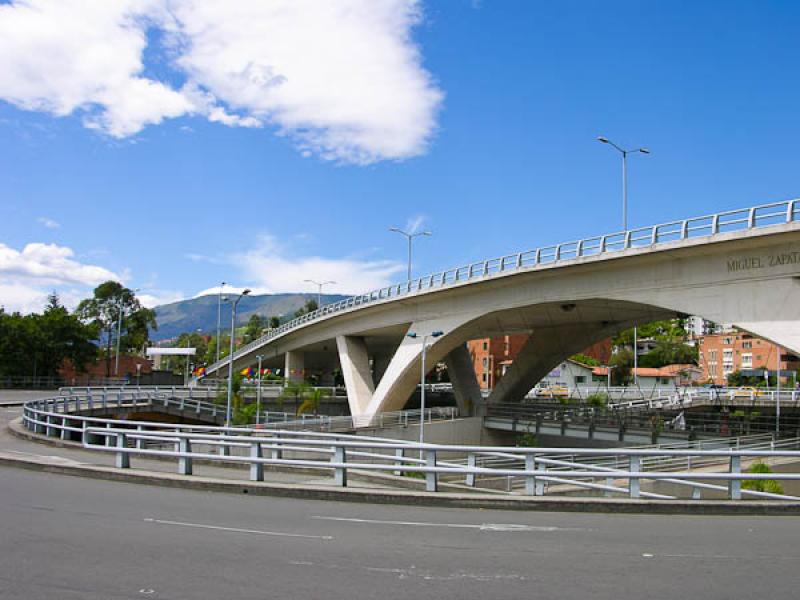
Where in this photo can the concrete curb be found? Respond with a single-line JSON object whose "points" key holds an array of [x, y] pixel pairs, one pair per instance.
{"points": [[408, 497]]}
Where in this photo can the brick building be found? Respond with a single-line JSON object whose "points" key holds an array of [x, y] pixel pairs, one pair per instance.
{"points": [[725, 353], [491, 357]]}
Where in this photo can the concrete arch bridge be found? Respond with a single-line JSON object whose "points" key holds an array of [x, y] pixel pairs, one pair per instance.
{"points": [[740, 267]]}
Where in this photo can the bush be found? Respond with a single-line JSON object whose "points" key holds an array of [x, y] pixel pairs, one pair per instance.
{"points": [[761, 485], [598, 399], [526, 440]]}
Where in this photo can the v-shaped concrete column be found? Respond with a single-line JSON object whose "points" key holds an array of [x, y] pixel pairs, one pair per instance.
{"points": [[354, 362], [465, 383], [403, 373]]}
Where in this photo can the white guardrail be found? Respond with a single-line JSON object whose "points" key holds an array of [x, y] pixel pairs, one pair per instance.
{"points": [[708, 226], [542, 470]]}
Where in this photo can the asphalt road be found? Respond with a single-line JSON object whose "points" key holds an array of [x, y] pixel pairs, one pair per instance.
{"points": [[65, 537]]}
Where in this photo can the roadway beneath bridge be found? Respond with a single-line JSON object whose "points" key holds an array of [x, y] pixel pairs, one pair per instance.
{"points": [[70, 538]]}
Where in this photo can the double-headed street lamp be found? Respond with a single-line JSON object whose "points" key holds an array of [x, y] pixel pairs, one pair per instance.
{"points": [[219, 316], [425, 337], [625, 153], [409, 237], [319, 285], [234, 304], [260, 357], [120, 316]]}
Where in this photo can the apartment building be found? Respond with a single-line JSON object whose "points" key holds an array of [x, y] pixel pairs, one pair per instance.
{"points": [[725, 353]]}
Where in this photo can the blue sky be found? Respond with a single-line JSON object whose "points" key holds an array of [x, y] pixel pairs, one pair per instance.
{"points": [[475, 120]]}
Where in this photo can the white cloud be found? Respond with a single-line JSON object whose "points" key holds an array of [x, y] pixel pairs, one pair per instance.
{"points": [[29, 275], [155, 297], [48, 222], [342, 79]]}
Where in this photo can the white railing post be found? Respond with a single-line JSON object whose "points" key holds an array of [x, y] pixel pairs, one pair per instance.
{"points": [[633, 482], [431, 477], [184, 460], [530, 478], [340, 472], [399, 455], [256, 466], [123, 459], [472, 462], [735, 485]]}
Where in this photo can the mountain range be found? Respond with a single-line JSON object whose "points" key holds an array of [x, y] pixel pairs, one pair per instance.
{"points": [[201, 313]]}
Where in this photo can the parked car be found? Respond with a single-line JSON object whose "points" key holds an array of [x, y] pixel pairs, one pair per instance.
{"points": [[747, 392]]}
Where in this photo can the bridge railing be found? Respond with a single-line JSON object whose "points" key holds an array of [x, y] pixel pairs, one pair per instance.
{"points": [[536, 469], [707, 226]]}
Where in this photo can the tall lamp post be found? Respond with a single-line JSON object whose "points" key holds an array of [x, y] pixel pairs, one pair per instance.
{"points": [[624, 152], [219, 316], [319, 285], [260, 357], [120, 316], [425, 337], [410, 236], [234, 304]]}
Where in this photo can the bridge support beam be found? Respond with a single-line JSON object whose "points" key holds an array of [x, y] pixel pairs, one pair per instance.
{"points": [[465, 384], [354, 362], [295, 365]]}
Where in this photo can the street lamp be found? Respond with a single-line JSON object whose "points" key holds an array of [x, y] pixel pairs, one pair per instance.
{"points": [[234, 304], [425, 337], [120, 316], [219, 315], [260, 357], [605, 140], [319, 285], [624, 153], [409, 236]]}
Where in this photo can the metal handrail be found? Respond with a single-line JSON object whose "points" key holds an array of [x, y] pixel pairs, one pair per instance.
{"points": [[539, 466], [764, 215]]}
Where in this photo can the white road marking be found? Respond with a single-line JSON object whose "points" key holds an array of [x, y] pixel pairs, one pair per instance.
{"points": [[504, 527], [53, 457], [238, 530]]}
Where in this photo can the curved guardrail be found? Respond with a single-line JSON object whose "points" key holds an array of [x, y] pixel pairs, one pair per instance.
{"points": [[763, 215], [542, 470]]}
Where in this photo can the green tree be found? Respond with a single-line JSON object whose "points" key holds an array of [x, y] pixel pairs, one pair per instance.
{"points": [[111, 302], [296, 391], [38, 344], [255, 328], [310, 306], [669, 351], [622, 360], [585, 360], [773, 486], [177, 364], [310, 404], [274, 322]]}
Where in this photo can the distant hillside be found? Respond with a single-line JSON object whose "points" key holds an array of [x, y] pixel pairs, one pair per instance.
{"points": [[201, 313]]}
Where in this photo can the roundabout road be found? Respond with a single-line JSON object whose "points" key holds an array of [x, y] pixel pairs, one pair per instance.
{"points": [[67, 537]]}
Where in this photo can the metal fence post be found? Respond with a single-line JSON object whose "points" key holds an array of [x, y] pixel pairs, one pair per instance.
{"points": [[139, 441], [530, 478], [472, 462], [399, 455], [256, 467], [431, 477], [735, 485], [123, 459], [340, 473], [635, 464], [184, 460]]}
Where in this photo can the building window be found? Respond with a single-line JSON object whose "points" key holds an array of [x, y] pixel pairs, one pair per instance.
{"points": [[484, 378], [727, 355], [727, 341], [747, 361], [580, 378], [485, 345], [747, 345], [712, 369], [727, 368], [712, 355], [485, 362]]}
